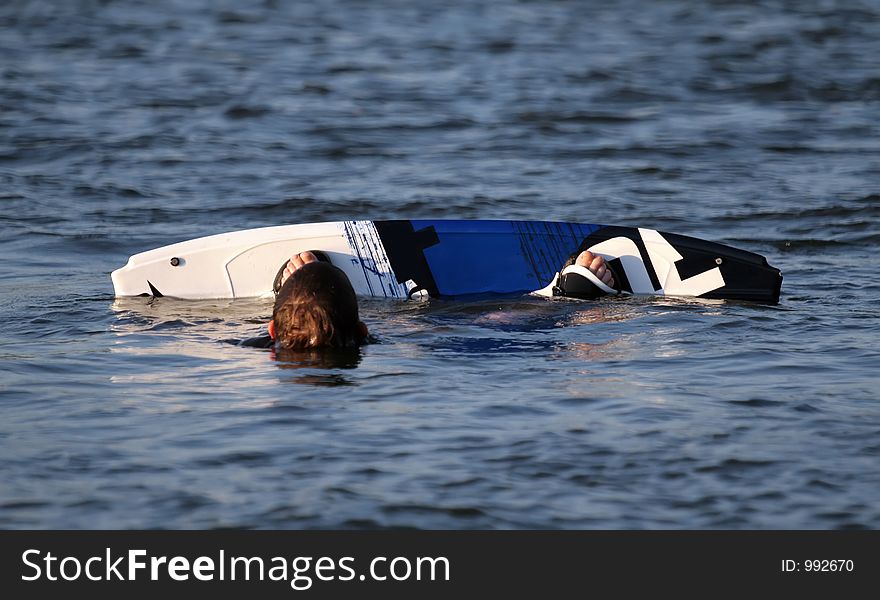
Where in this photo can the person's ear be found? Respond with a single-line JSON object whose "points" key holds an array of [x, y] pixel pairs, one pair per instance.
{"points": [[362, 329], [272, 329]]}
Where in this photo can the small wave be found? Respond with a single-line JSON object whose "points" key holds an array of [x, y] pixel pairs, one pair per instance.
{"points": [[124, 51], [867, 207], [632, 95], [576, 117], [240, 111], [108, 191], [757, 403], [794, 245], [228, 17], [736, 465], [453, 511]]}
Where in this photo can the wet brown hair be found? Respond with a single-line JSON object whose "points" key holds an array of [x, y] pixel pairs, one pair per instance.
{"points": [[317, 308]]}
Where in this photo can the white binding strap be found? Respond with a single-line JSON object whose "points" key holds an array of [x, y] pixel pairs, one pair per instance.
{"points": [[585, 272]]}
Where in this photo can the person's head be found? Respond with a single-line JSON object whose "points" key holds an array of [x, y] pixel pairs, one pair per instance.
{"points": [[316, 308]]}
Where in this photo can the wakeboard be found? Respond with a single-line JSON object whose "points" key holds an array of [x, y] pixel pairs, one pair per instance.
{"points": [[450, 258]]}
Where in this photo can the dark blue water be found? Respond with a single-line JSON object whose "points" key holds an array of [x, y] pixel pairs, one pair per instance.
{"points": [[128, 125]]}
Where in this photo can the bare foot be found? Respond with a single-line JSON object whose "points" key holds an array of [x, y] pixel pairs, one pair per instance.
{"points": [[297, 261], [596, 264]]}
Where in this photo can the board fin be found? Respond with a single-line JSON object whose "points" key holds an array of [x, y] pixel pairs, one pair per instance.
{"points": [[156, 293]]}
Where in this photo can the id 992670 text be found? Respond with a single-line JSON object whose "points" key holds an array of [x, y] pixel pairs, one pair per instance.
{"points": [[823, 565]]}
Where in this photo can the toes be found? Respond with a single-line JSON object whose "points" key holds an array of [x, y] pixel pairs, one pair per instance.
{"points": [[584, 258], [303, 258], [297, 261], [286, 274], [597, 264]]}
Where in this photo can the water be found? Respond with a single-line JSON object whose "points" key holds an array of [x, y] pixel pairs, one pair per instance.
{"points": [[126, 125]]}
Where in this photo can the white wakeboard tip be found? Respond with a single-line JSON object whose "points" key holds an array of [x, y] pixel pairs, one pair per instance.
{"points": [[243, 264]]}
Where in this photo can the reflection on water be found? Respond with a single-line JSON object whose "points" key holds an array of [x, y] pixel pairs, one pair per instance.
{"points": [[155, 311], [318, 360], [205, 329]]}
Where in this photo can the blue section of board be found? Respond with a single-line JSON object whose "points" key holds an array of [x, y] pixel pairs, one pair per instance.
{"points": [[499, 256]]}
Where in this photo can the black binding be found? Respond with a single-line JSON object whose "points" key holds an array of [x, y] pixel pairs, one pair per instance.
{"points": [[575, 285]]}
